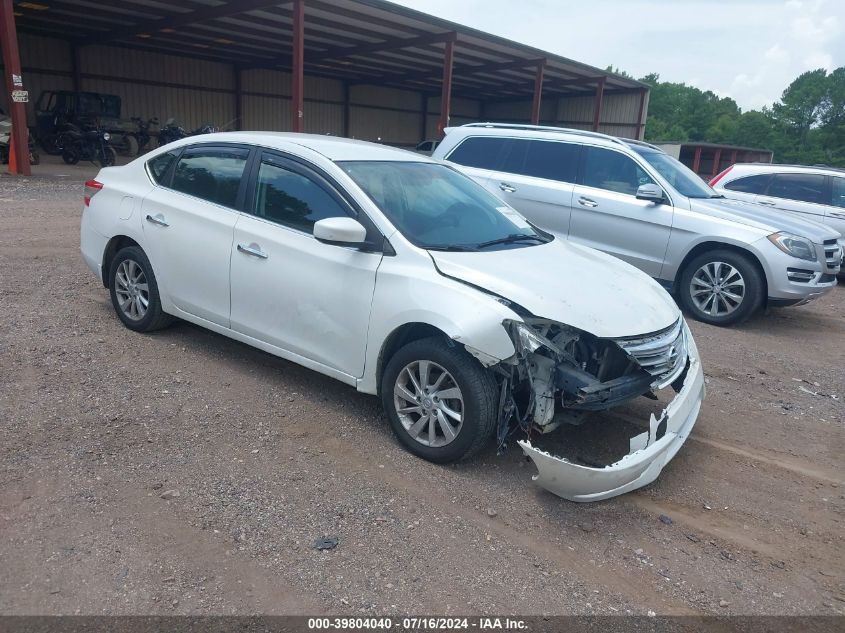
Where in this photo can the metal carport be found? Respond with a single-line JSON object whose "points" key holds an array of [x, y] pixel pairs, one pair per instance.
{"points": [[362, 65]]}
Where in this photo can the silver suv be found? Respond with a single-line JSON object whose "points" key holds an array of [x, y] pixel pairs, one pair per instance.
{"points": [[724, 258], [816, 193]]}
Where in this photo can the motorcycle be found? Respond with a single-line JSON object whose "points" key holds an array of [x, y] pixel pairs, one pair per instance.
{"points": [[172, 131], [143, 135], [6, 139], [86, 143]]}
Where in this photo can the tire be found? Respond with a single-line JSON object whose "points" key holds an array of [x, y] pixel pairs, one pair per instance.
{"points": [[70, 155], [727, 268], [108, 157], [153, 317], [477, 405]]}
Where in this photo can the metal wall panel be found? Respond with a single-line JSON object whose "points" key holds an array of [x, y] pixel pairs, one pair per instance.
{"points": [[266, 113], [380, 96], [386, 126], [44, 52]]}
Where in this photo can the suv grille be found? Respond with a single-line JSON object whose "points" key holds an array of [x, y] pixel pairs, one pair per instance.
{"points": [[662, 354], [832, 255]]}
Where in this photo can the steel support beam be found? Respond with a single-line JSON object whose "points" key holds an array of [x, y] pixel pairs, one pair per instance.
{"points": [[598, 103], [446, 86], [297, 103], [538, 93], [717, 157], [696, 161], [641, 115], [14, 81]]}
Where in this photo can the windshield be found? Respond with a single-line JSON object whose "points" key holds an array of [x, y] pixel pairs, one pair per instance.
{"points": [[437, 208], [679, 175]]}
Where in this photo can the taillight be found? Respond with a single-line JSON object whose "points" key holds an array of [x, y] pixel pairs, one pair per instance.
{"points": [[720, 176], [91, 189]]}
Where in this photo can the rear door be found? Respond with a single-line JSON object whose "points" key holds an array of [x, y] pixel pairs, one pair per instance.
{"points": [[802, 193], [188, 227], [607, 215], [537, 178], [478, 156], [747, 187]]}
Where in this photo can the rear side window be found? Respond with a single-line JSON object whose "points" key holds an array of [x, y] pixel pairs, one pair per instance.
{"points": [[159, 165], [838, 192], [292, 199], [479, 151], [211, 173], [802, 187], [613, 171], [542, 159], [749, 184]]}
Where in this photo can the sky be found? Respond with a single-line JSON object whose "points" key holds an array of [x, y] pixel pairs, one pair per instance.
{"points": [[749, 50]]}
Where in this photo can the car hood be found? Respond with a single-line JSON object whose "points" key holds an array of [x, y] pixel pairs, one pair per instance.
{"points": [[762, 217], [568, 283]]}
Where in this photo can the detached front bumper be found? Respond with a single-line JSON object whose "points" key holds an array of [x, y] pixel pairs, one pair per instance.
{"points": [[650, 451]]}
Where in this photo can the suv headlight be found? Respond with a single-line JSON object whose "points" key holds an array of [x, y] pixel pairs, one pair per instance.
{"points": [[794, 245]]}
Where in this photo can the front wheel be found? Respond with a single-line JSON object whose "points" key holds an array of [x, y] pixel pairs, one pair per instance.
{"points": [[70, 154], [134, 291], [440, 401], [722, 287], [108, 157]]}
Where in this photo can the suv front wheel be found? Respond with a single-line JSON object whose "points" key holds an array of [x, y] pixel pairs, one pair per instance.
{"points": [[721, 287]]}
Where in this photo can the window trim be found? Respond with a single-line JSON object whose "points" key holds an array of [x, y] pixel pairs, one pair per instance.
{"points": [[826, 188]]}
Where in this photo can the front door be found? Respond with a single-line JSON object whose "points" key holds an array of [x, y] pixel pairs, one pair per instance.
{"points": [[188, 226], [607, 215], [290, 290]]}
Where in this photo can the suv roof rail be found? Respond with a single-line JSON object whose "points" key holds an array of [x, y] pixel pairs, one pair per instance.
{"points": [[633, 141], [790, 166], [545, 128]]}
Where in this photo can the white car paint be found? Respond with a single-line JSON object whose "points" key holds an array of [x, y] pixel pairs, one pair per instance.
{"points": [[332, 308]]}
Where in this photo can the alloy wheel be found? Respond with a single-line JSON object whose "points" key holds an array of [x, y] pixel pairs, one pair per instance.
{"points": [[132, 289], [429, 403], [717, 289]]}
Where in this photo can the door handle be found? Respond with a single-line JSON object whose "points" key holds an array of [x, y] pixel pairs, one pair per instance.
{"points": [[506, 187], [252, 249], [768, 203], [157, 219], [586, 202]]}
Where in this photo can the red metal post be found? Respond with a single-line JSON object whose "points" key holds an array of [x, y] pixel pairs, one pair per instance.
{"points": [[696, 162], [640, 119], [538, 93], [297, 103], [733, 157], [598, 102], [14, 84], [717, 158], [446, 89]]}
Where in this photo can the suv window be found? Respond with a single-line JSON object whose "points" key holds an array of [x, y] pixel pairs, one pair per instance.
{"points": [[542, 159], [478, 151], [802, 187], [213, 174], [838, 198], [291, 199], [749, 184], [159, 165], [606, 169]]}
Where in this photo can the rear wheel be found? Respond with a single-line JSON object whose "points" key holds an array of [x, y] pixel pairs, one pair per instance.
{"points": [[722, 287], [70, 154], [440, 401], [134, 291]]}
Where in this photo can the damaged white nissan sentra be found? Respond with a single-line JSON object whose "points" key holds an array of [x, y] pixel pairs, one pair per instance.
{"points": [[398, 275]]}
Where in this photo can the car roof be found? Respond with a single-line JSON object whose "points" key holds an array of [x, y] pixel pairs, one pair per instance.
{"points": [[332, 147], [771, 168], [574, 135]]}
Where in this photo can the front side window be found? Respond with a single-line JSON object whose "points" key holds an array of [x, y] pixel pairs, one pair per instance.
{"points": [[749, 184], [838, 192], [801, 187], [479, 151], [551, 160], [606, 169], [211, 173], [682, 178], [437, 208], [291, 199], [158, 166]]}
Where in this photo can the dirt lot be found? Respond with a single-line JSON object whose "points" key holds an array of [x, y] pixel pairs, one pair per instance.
{"points": [[98, 423]]}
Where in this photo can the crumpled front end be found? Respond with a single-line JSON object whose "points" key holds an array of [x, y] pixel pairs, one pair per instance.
{"points": [[560, 376]]}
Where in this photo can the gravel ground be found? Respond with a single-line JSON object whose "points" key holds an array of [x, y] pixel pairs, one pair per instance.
{"points": [[182, 472]]}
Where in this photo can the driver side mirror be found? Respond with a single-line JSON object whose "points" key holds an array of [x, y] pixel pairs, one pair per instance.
{"points": [[340, 231], [651, 192]]}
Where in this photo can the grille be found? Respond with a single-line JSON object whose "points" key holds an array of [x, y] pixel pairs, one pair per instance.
{"points": [[662, 354], [832, 255]]}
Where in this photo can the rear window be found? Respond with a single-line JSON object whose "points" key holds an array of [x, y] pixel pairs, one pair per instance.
{"points": [[801, 187], [158, 167], [479, 151], [749, 184]]}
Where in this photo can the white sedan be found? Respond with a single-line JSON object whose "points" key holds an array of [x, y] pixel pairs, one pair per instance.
{"points": [[401, 277]]}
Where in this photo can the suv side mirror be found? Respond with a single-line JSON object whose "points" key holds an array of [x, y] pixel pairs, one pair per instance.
{"points": [[343, 231], [650, 192]]}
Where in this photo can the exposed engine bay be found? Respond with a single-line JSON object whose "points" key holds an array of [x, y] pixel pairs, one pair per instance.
{"points": [[560, 375]]}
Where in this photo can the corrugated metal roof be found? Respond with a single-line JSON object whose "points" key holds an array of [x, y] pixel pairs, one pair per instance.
{"points": [[361, 41]]}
